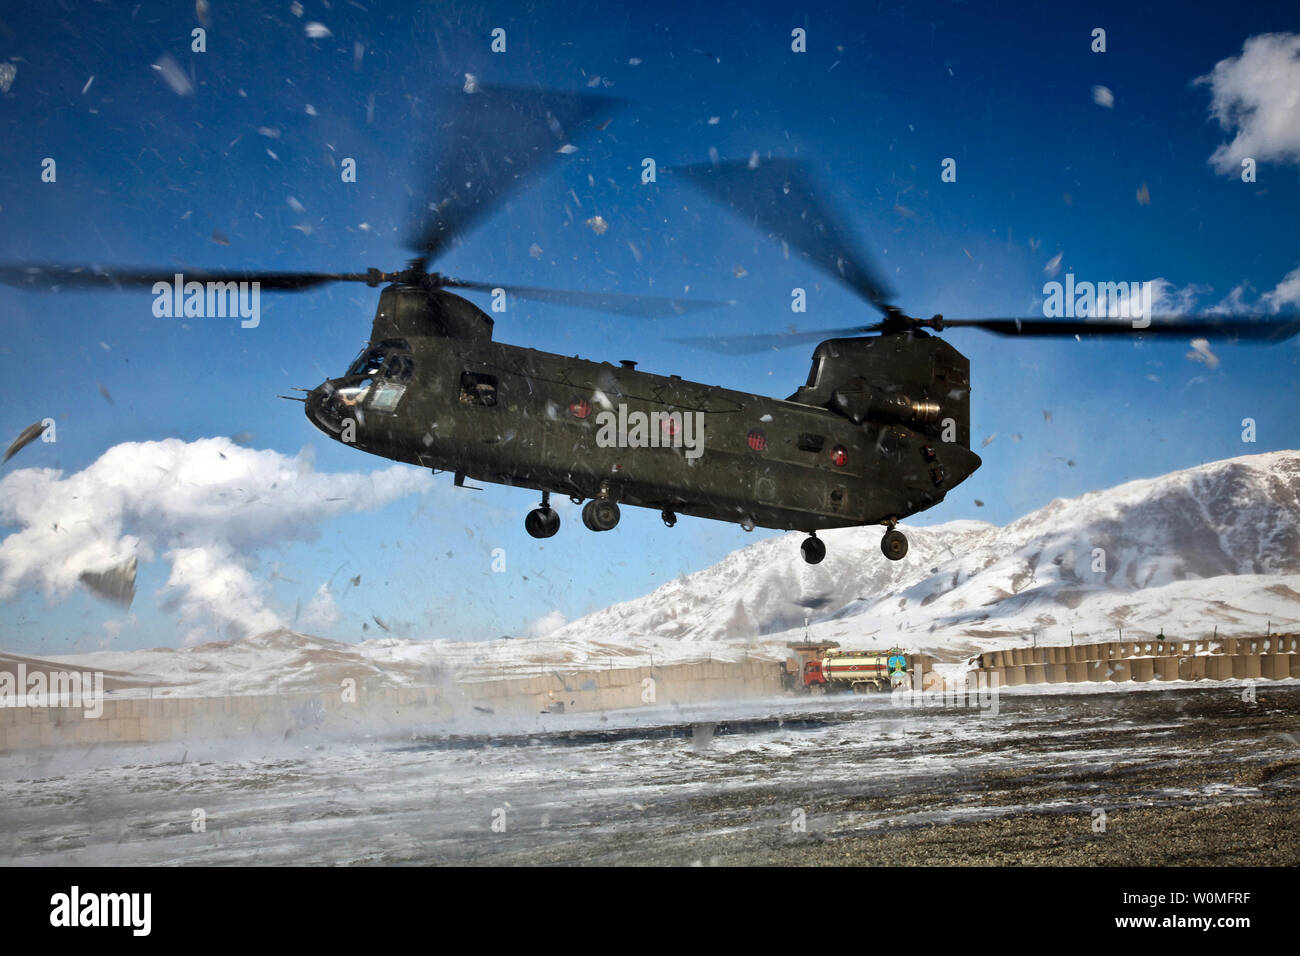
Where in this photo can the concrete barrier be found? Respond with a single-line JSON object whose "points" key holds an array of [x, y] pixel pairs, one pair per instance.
{"points": [[177, 718], [1275, 666], [139, 720], [1247, 666], [1167, 668]]}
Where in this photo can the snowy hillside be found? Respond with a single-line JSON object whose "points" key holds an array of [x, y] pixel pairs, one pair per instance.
{"points": [[1217, 545]]}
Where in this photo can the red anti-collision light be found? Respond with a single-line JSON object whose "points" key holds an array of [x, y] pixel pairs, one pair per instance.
{"points": [[579, 408], [757, 440], [839, 456]]}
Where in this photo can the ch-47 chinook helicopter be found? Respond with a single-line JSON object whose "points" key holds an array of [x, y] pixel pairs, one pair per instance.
{"points": [[880, 430]]}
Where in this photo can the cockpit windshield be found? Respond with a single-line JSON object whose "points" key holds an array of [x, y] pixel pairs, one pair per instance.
{"points": [[389, 359]]}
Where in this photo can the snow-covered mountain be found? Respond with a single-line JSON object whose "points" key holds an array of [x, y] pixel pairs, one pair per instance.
{"points": [[1217, 545]]}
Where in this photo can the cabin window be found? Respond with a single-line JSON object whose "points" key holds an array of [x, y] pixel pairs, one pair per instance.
{"points": [[811, 443], [478, 389]]}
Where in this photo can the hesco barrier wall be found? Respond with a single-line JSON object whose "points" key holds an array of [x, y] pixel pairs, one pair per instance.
{"points": [[1276, 657], [419, 709]]}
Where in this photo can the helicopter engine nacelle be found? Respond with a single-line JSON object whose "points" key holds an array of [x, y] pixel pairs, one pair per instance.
{"points": [[860, 401], [912, 379]]}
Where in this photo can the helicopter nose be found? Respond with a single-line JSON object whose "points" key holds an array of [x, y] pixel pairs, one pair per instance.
{"points": [[321, 411]]}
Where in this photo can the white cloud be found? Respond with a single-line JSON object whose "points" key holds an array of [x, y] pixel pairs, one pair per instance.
{"points": [[1168, 299], [546, 624], [1243, 299], [321, 611], [1201, 353], [214, 584], [1257, 96], [1102, 96], [1237, 301], [1286, 294], [206, 506]]}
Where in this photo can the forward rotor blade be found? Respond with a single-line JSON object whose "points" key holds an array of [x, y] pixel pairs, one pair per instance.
{"points": [[752, 344], [639, 306], [492, 141], [52, 278], [778, 196], [1253, 328]]}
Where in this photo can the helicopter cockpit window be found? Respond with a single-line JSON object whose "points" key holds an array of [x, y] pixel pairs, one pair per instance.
{"points": [[478, 389], [371, 361]]}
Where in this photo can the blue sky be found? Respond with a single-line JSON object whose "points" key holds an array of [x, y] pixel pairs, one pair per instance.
{"points": [[879, 100]]}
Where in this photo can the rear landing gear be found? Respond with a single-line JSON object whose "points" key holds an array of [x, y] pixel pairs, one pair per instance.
{"points": [[670, 518], [600, 514], [542, 522], [894, 545], [813, 548]]}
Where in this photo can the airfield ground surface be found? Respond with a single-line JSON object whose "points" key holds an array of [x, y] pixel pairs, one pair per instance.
{"points": [[1193, 775]]}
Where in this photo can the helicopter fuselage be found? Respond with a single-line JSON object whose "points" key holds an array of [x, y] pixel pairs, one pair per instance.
{"points": [[433, 389]]}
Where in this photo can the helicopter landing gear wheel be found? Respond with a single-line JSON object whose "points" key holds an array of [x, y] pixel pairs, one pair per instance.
{"points": [[542, 522], [600, 514], [670, 518], [813, 548], [894, 545]]}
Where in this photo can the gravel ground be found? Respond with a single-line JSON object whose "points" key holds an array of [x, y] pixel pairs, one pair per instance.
{"points": [[1193, 775]]}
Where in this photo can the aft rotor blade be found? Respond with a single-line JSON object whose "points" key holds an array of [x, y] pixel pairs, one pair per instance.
{"points": [[638, 306], [778, 196], [751, 344], [52, 278], [492, 140], [1252, 328]]}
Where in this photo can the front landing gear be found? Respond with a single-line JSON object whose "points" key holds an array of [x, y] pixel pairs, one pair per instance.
{"points": [[894, 544], [542, 522], [813, 548]]}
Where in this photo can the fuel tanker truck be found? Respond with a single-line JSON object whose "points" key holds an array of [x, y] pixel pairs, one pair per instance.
{"points": [[824, 667]]}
